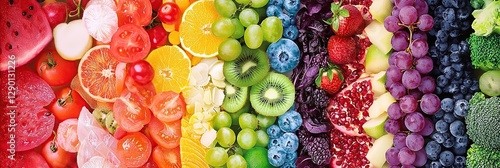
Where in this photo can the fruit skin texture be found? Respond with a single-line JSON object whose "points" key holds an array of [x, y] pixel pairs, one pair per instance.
{"points": [[346, 20], [342, 50], [56, 12], [67, 105], [330, 80], [55, 70], [482, 121], [55, 156], [157, 36]]}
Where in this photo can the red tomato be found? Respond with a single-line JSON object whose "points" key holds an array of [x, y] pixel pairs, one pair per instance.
{"points": [[142, 72], [121, 75], [67, 104], [55, 70], [169, 13], [134, 149], [155, 4], [168, 106], [29, 159], [137, 12], [67, 136], [120, 133], [167, 158], [129, 113], [167, 135], [150, 164], [158, 36], [145, 92], [57, 157], [130, 43]]}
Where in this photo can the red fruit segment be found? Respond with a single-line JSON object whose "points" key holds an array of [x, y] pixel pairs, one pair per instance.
{"points": [[168, 106], [342, 50], [25, 32], [349, 151]]}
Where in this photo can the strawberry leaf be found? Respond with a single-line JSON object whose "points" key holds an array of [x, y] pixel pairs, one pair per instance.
{"points": [[335, 24], [318, 79], [330, 75], [344, 13]]}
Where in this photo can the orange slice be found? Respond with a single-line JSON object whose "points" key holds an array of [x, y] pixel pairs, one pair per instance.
{"points": [[172, 68], [192, 153], [97, 74], [195, 34]]}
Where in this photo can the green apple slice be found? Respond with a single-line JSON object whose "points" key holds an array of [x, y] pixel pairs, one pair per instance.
{"points": [[380, 9], [489, 83], [379, 36], [378, 84], [375, 126], [376, 154], [376, 60]]}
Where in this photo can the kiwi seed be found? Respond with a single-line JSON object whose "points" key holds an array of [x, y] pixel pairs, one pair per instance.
{"points": [[251, 66]]}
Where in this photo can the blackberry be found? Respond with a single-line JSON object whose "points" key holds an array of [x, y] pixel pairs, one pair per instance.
{"points": [[320, 98], [319, 150]]}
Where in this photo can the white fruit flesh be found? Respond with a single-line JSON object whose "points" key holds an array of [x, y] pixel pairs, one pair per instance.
{"points": [[376, 60], [72, 40], [376, 154], [375, 126], [379, 36], [378, 84], [380, 9]]}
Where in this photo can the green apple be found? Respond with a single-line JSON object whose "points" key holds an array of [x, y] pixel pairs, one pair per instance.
{"points": [[489, 83], [378, 84], [380, 9], [379, 36], [72, 40], [376, 60], [376, 154], [375, 126]]}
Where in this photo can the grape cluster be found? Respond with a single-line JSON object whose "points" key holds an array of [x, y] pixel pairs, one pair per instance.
{"points": [[455, 82], [410, 83]]}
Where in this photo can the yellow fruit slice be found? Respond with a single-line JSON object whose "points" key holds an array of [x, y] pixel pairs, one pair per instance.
{"points": [[195, 29], [97, 74], [192, 153], [172, 68]]}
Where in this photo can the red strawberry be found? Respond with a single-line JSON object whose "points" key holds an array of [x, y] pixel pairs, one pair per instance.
{"points": [[346, 20], [342, 50], [330, 80]]}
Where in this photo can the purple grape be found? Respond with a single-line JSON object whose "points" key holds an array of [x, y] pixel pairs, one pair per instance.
{"points": [[393, 74], [391, 126], [403, 60], [421, 6], [426, 22], [419, 48], [417, 94], [391, 156], [430, 103], [397, 90], [415, 142], [406, 156], [427, 84], [391, 24], [399, 140], [419, 35], [395, 11], [399, 40], [392, 59], [420, 159], [415, 122], [408, 104], [408, 15], [394, 111], [428, 128], [424, 64], [411, 79], [403, 3]]}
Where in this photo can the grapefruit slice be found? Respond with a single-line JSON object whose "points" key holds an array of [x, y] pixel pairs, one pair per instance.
{"points": [[172, 68], [97, 74]]}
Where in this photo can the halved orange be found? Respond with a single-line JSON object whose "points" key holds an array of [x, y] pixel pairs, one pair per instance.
{"points": [[97, 74], [172, 68], [195, 29], [192, 153]]}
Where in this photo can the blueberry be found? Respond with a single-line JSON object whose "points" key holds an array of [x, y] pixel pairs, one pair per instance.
{"points": [[467, 82], [432, 150], [447, 104], [454, 48], [283, 55], [291, 157], [441, 126], [290, 121], [439, 114], [446, 158], [450, 3], [461, 107], [441, 45], [448, 143], [291, 32], [436, 164], [276, 156], [274, 131], [285, 19], [475, 85], [446, 135], [441, 81], [457, 128], [448, 72], [433, 2], [277, 3], [289, 142], [438, 137], [459, 162], [291, 6], [274, 142], [458, 74], [449, 117], [458, 96], [455, 57], [273, 10], [457, 66], [459, 148], [289, 165]]}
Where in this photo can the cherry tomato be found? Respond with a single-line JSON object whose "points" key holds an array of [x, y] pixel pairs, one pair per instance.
{"points": [[158, 36], [167, 135], [130, 43], [169, 13], [150, 164], [68, 104], [144, 93], [155, 4], [29, 158], [67, 136], [130, 114], [119, 133], [121, 75], [55, 156], [55, 70], [168, 106], [135, 149], [167, 158], [142, 72], [134, 11]]}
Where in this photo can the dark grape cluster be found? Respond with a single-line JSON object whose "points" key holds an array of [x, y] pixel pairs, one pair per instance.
{"points": [[455, 82]]}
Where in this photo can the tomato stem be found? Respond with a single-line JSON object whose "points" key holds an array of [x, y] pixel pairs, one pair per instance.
{"points": [[53, 144], [50, 60], [62, 101], [77, 10]]}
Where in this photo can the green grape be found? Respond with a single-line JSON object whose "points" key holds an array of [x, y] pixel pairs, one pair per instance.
{"points": [[216, 156], [262, 138], [236, 161], [226, 137], [223, 27], [259, 3], [253, 36], [221, 119], [248, 120], [236, 115], [248, 16], [265, 121], [247, 138], [225, 8], [229, 49], [239, 30], [272, 29], [243, 2]]}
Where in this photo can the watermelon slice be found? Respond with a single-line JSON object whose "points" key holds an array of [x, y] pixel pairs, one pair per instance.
{"points": [[24, 32]]}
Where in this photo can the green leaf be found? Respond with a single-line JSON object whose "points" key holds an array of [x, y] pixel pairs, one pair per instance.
{"points": [[330, 75], [344, 13], [318, 79], [335, 24], [335, 7], [328, 21]]}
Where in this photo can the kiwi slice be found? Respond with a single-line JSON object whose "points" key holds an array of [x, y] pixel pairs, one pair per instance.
{"points": [[100, 113], [272, 96], [251, 66], [111, 124], [235, 98]]}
